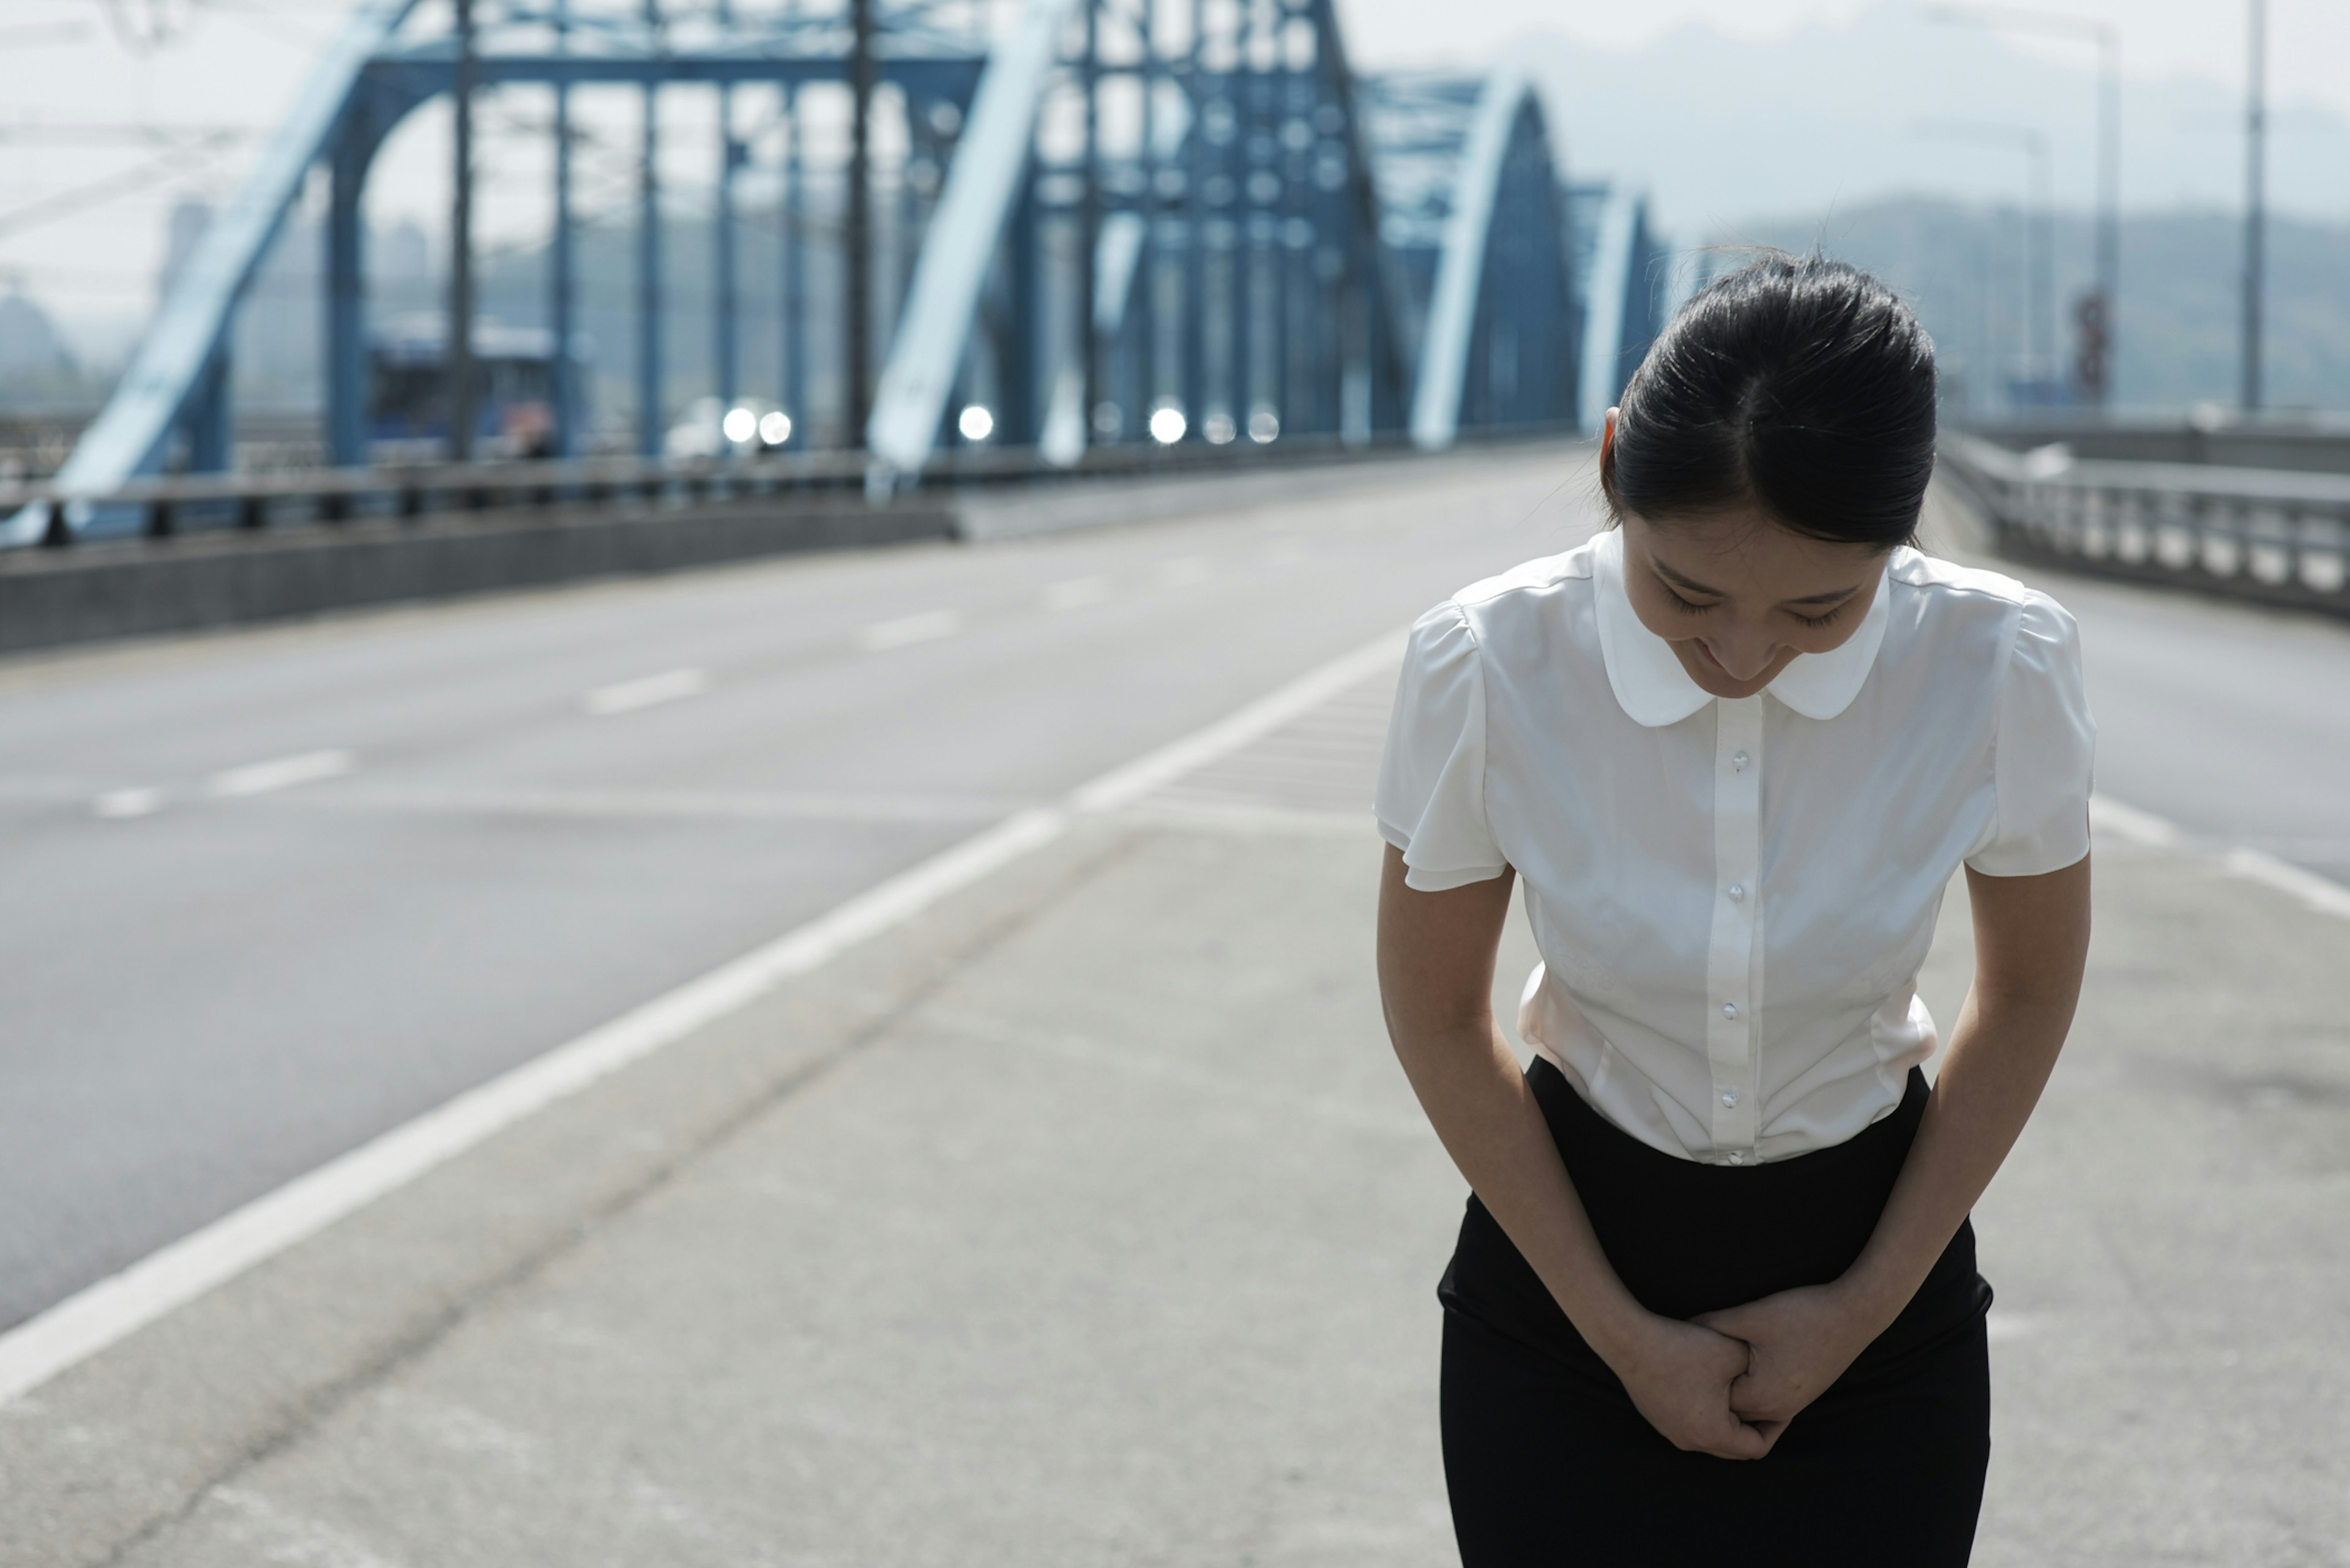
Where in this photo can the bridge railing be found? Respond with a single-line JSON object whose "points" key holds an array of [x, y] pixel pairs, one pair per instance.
{"points": [[158, 507], [2269, 534]]}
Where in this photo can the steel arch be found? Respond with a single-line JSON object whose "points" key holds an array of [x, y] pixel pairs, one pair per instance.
{"points": [[1626, 297]]}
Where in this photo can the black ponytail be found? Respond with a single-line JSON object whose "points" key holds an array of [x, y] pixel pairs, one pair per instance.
{"points": [[1800, 385]]}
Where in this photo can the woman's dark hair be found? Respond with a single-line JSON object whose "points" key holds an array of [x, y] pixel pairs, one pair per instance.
{"points": [[1797, 385]]}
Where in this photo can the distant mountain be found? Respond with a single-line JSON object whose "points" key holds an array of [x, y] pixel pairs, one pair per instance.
{"points": [[1964, 266], [1723, 130]]}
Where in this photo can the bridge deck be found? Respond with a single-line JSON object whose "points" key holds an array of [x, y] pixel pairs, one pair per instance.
{"points": [[1082, 1216]]}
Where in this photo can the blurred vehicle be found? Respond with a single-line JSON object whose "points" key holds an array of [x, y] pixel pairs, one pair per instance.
{"points": [[711, 428], [513, 387]]}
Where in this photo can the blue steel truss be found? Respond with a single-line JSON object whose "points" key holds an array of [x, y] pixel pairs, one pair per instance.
{"points": [[1209, 222], [1168, 220], [1632, 286]]}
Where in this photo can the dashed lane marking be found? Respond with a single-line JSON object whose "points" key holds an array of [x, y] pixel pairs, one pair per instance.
{"points": [[646, 691], [120, 805], [1077, 593], [281, 772], [927, 627]]}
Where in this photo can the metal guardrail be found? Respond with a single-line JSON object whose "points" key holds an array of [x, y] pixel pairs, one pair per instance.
{"points": [[2251, 533], [170, 504]]}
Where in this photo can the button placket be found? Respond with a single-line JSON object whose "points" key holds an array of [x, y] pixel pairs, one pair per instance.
{"points": [[1737, 922]]}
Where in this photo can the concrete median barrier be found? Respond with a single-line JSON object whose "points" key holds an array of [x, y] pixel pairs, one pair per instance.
{"points": [[51, 598]]}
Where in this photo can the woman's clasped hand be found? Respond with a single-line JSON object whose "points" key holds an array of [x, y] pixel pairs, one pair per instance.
{"points": [[1728, 1382]]}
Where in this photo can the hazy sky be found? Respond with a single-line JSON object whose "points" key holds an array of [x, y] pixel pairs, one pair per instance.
{"points": [[83, 199]]}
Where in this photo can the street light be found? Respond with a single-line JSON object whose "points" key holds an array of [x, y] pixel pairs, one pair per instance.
{"points": [[2108, 41], [2256, 134], [2038, 238]]}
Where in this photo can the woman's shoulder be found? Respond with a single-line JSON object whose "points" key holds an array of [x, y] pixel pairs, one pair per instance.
{"points": [[1950, 584], [1946, 596], [1499, 612]]}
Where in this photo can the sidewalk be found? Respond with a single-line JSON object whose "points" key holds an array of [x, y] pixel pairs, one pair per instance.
{"points": [[1087, 1220]]}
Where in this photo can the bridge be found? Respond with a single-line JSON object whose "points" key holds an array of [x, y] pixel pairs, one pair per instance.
{"points": [[865, 1050], [1126, 226]]}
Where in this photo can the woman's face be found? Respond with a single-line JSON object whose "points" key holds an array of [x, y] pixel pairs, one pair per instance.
{"points": [[1738, 596]]}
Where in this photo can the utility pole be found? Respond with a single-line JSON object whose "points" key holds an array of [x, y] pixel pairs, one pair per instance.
{"points": [[2256, 128], [2109, 218], [459, 357], [859, 326]]}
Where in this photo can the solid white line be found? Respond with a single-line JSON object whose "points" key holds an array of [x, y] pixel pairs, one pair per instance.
{"points": [[282, 772], [117, 805], [628, 696], [1123, 786], [2320, 893], [120, 1305], [927, 627], [2127, 823]]}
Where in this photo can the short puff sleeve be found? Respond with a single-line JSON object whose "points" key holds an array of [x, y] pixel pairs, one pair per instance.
{"points": [[1431, 795], [2045, 746]]}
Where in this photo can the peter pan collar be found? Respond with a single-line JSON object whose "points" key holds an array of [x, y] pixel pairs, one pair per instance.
{"points": [[1655, 691]]}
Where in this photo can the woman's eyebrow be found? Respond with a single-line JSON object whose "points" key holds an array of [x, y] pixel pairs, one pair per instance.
{"points": [[1835, 597]]}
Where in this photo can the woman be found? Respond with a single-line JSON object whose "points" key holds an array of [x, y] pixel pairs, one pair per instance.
{"points": [[1715, 1299]]}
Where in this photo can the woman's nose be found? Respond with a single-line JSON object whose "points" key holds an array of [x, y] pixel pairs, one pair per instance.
{"points": [[1744, 654]]}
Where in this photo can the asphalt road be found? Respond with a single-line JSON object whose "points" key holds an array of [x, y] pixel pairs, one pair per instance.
{"points": [[271, 892], [2229, 719]]}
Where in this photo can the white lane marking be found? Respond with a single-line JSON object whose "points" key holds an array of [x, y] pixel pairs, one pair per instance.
{"points": [[118, 804], [646, 691], [2003, 1326], [717, 805], [2323, 894], [2131, 825], [1077, 593], [120, 1305], [927, 627], [282, 772], [1185, 570], [1125, 785]]}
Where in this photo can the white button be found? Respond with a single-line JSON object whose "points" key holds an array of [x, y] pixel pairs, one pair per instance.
{"points": [[1736, 1157], [1737, 890], [1730, 1009], [1739, 759], [1729, 1097]]}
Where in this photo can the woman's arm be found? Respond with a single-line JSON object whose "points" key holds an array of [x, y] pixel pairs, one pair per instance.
{"points": [[2031, 942], [1436, 981]]}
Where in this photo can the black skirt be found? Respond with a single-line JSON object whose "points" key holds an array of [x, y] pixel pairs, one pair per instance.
{"points": [[1549, 1463]]}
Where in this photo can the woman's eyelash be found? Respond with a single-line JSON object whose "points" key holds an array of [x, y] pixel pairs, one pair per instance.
{"points": [[1826, 617]]}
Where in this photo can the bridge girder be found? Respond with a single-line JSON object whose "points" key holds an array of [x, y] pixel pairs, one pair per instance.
{"points": [[1213, 217]]}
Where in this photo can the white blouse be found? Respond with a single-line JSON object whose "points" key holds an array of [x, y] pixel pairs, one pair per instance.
{"points": [[1732, 896]]}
